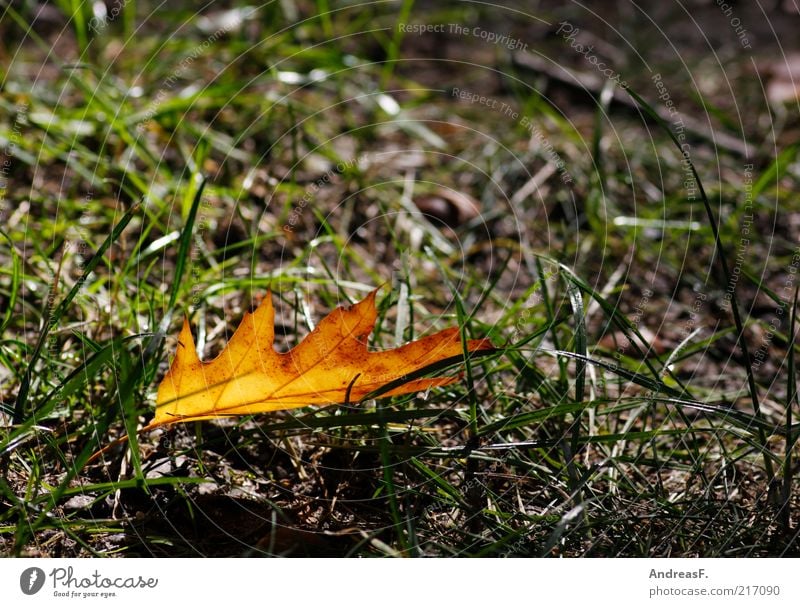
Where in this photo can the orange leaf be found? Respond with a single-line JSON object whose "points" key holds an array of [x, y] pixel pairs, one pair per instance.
{"points": [[331, 365]]}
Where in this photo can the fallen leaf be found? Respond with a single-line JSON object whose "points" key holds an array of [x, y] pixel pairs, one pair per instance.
{"points": [[331, 365], [451, 207]]}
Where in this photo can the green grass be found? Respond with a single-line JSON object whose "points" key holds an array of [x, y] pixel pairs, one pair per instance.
{"points": [[144, 186]]}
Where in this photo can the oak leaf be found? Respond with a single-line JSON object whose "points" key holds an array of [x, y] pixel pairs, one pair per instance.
{"points": [[331, 365]]}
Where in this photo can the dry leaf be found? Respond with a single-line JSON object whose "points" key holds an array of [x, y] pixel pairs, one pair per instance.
{"points": [[451, 207], [331, 365]]}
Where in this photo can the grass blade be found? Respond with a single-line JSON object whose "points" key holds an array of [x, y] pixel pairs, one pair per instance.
{"points": [[726, 275], [791, 399]]}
